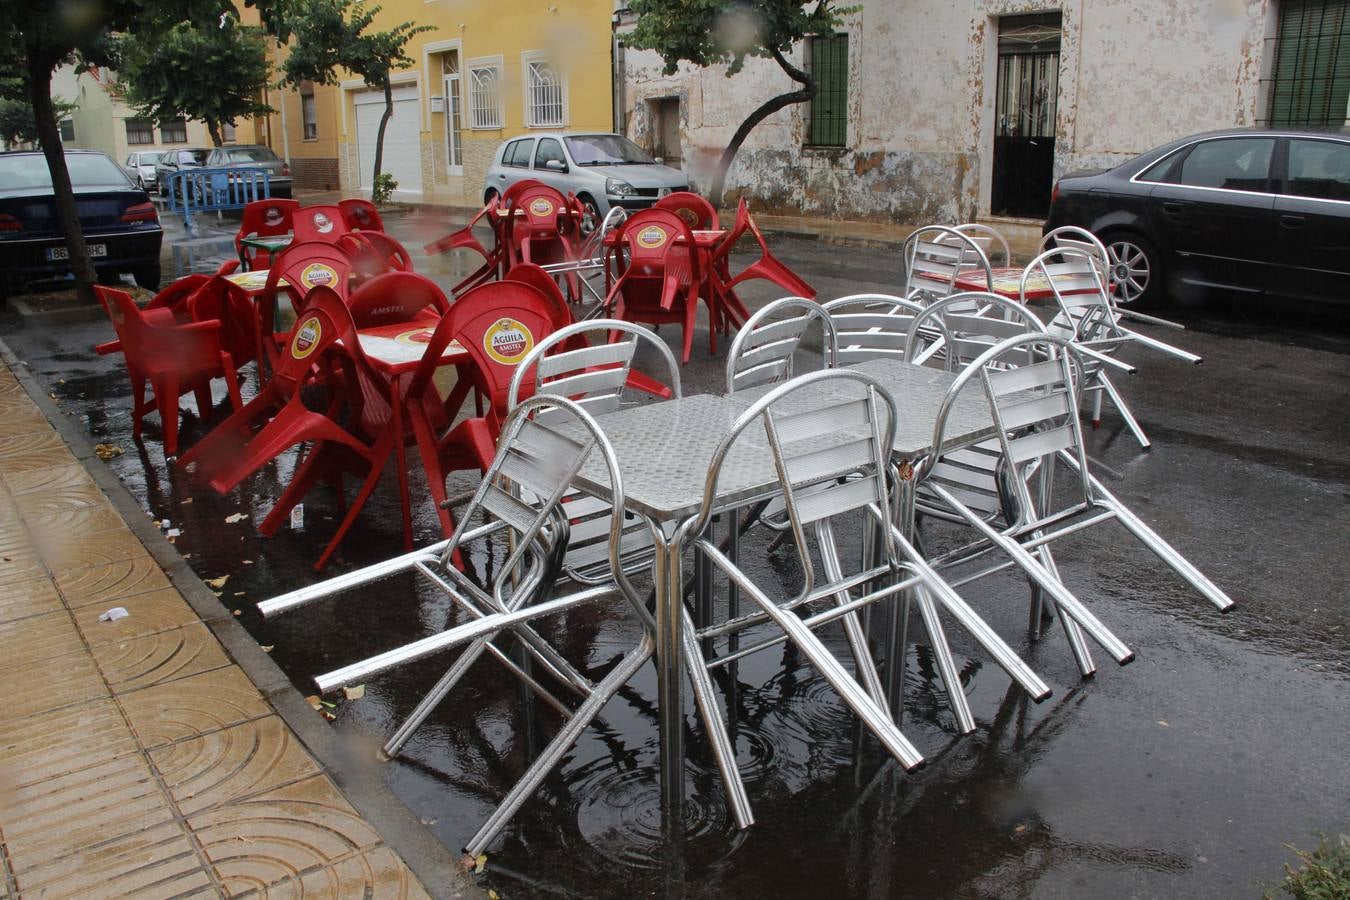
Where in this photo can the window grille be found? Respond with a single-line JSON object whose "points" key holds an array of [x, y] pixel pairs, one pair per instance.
{"points": [[1309, 80], [485, 109], [310, 116], [140, 131], [545, 95], [827, 114], [173, 132]]}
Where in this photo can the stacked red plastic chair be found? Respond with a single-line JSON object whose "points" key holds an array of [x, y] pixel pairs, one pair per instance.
{"points": [[661, 278]]}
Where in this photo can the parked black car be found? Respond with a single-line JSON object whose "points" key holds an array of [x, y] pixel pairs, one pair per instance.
{"points": [[174, 161], [120, 224], [1254, 211]]}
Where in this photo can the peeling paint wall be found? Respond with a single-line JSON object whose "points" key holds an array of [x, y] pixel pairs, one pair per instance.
{"points": [[922, 73]]}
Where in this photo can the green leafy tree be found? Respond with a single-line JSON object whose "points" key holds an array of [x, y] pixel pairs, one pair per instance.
{"points": [[333, 35], [717, 32], [36, 36], [18, 125], [212, 70]]}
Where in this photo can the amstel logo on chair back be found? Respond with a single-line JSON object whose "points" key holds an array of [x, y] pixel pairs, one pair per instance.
{"points": [[323, 223], [652, 236], [540, 206], [318, 275], [307, 335], [272, 218], [507, 341]]}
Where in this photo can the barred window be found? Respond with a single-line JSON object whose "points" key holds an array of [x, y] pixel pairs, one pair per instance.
{"points": [[1310, 75], [67, 129], [309, 115], [227, 134], [485, 106], [173, 132], [543, 95], [140, 131], [827, 113]]}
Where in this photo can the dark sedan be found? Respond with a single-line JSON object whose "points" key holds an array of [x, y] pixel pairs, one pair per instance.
{"points": [[120, 225], [175, 161], [1251, 211]]}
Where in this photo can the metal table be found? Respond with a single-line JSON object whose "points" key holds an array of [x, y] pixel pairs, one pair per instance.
{"points": [[664, 452]]}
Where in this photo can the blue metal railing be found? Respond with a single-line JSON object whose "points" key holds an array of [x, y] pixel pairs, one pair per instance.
{"points": [[214, 190]]}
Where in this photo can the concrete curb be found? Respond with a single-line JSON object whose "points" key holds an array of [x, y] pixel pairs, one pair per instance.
{"points": [[434, 864]]}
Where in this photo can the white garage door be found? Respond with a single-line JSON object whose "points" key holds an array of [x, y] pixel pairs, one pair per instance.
{"points": [[402, 148]]}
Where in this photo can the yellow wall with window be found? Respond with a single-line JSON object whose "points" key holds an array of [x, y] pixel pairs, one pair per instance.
{"points": [[547, 66]]}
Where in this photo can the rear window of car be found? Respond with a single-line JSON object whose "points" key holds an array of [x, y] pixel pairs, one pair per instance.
{"points": [[197, 157], [1319, 169], [251, 154], [517, 153], [1234, 164], [86, 170]]}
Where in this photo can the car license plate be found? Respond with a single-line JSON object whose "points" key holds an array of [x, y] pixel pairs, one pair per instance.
{"points": [[95, 250]]}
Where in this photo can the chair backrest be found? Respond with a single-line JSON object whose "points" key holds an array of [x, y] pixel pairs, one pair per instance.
{"points": [[375, 253], [935, 256], [497, 324], [228, 303], [649, 236], [958, 329], [267, 218], [535, 211], [360, 215], [173, 296], [829, 436], [870, 326], [697, 212], [323, 321], [513, 191], [1034, 408], [1074, 238], [310, 264], [150, 348], [764, 349], [988, 238], [1079, 284], [319, 223], [522, 492], [396, 297], [594, 245], [593, 376]]}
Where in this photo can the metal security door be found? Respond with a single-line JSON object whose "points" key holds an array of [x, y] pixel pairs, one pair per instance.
{"points": [[1024, 123]]}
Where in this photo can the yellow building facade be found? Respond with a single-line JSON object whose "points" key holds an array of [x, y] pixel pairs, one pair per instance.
{"points": [[489, 71]]}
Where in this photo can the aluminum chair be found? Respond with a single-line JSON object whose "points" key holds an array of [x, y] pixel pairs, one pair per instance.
{"points": [[763, 350], [870, 326], [520, 497], [988, 237], [591, 260], [829, 434], [593, 377], [1035, 410], [935, 256]]}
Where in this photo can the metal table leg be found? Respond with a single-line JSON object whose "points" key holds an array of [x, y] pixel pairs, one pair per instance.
{"points": [[670, 677]]}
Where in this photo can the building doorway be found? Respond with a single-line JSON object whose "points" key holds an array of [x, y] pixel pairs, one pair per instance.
{"points": [[1024, 115], [666, 141]]}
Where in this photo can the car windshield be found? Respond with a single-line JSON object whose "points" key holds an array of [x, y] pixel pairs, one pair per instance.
{"points": [[606, 150], [86, 170], [252, 154]]}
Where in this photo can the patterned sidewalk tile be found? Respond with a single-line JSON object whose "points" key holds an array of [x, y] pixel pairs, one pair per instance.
{"points": [[232, 763], [377, 874], [157, 658], [21, 599], [100, 584], [194, 705], [38, 638], [67, 476], [146, 614], [64, 741], [281, 834], [79, 538], [21, 453], [48, 684]]}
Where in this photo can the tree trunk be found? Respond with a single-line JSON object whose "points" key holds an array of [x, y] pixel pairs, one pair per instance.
{"points": [[49, 136], [379, 135], [807, 91], [213, 129]]}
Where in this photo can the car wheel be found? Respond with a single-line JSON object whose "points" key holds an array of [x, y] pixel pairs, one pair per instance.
{"points": [[1136, 270], [147, 277], [590, 215]]}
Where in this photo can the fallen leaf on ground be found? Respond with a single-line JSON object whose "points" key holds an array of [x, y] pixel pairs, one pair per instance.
{"points": [[237, 612], [493, 895], [235, 517], [329, 716], [267, 648], [356, 692], [479, 863], [218, 583], [107, 451], [314, 701]]}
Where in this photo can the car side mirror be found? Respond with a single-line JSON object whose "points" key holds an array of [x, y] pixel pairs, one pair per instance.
{"points": [[555, 165]]}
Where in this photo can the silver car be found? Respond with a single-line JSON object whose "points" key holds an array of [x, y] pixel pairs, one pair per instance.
{"points": [[140, 165], [254, 156], [602, 170]]}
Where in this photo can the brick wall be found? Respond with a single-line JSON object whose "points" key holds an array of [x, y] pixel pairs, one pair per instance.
{"points": [[316, 174]]}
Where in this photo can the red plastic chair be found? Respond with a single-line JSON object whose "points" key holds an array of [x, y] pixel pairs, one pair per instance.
{"points": [[397, 297], [376, 252], [175, 359], [360, 215], [319, 223], [497, 324], [263, 218], [534, 218], [767, 267], [465, 239], [304, 266], [697, 212], [232, 452], [229, 304], [661, 279]]}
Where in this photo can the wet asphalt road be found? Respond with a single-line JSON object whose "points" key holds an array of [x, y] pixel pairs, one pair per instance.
{"points": [[1183, 774]]}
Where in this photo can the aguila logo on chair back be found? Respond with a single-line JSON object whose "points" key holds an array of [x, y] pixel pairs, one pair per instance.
{"points": [[318, 275], [507, 341], [307, 335]]}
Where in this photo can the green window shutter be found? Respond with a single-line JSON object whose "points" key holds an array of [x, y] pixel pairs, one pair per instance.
{"points": [[827, 118], [1310, 77]]}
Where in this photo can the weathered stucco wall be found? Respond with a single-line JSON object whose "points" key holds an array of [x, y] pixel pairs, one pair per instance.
{"points": [[922, 78]]}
